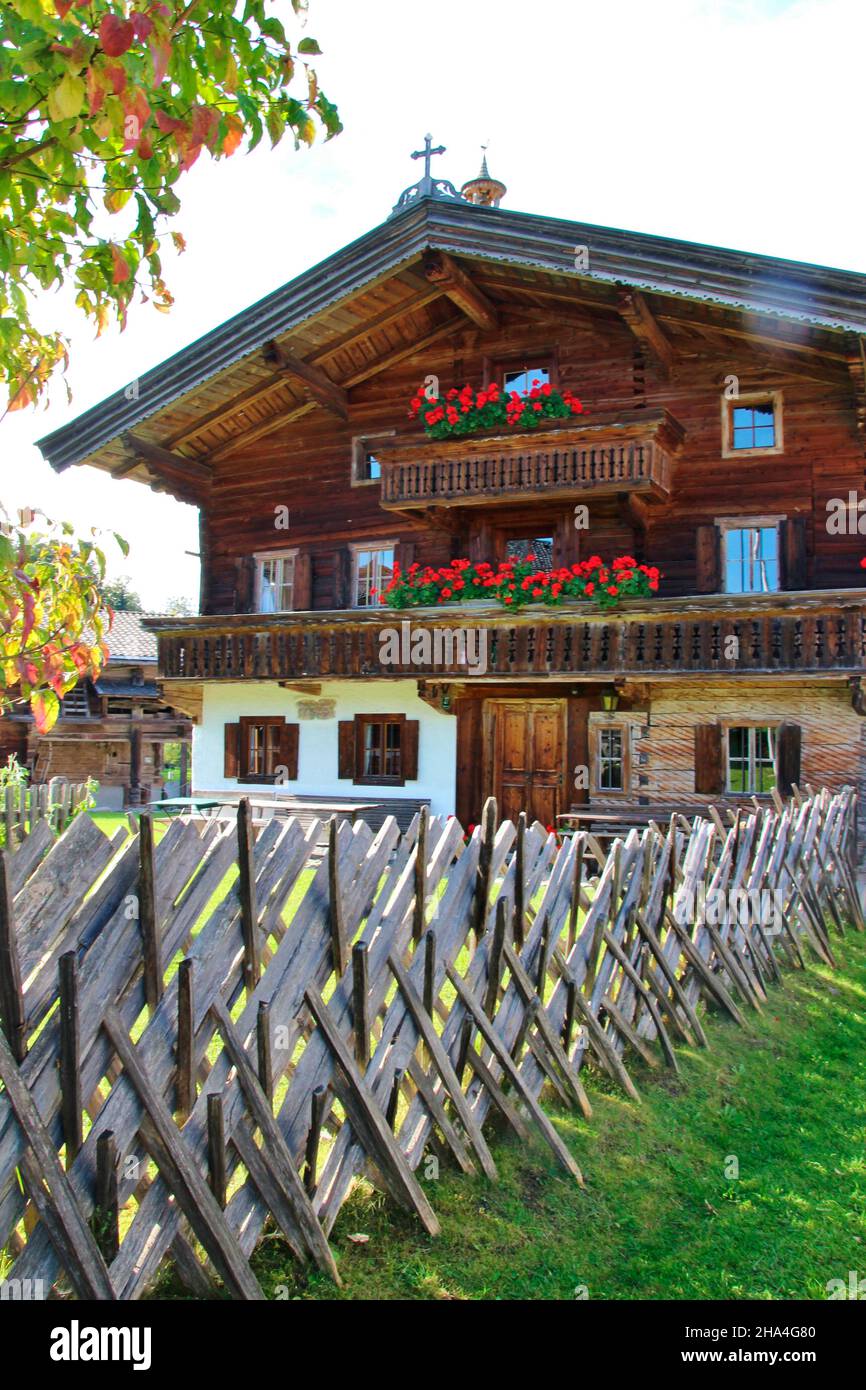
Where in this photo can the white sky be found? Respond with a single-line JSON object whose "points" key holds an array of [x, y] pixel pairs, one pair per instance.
{"points": [[734, 122]]}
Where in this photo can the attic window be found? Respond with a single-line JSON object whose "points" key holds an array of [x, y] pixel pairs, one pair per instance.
{"points": [[752, 424], [522, 376], [366, 463]]}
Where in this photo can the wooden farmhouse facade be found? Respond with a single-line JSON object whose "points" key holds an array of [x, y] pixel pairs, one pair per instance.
{"points": [[722, 441], [115, 729]]}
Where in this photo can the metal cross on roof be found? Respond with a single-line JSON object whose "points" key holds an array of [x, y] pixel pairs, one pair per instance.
{"points": [[427, 154], [428, 186]]}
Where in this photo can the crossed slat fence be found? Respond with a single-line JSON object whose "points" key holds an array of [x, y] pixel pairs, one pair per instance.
{"points": [[217, 1030]]}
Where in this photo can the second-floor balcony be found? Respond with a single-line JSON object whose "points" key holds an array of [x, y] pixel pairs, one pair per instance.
{"points": [[805, 634], [630, 451]]}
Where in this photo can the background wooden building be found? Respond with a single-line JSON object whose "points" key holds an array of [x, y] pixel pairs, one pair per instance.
{"points": [[726, 409], [117, 729]]}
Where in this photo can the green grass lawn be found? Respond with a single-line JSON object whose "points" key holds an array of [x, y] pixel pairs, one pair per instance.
{"points": [[659, 1218]]}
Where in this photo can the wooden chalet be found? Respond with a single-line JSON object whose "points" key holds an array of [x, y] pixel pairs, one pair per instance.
{"points": [[114, 729], [723, 441]]}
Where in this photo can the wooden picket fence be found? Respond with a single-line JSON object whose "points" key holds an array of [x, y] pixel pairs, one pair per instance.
{"points": [[208, 1033], [25, 806]]}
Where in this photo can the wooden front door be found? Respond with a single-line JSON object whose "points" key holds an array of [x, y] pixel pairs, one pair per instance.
{"points": [[525, 757]]}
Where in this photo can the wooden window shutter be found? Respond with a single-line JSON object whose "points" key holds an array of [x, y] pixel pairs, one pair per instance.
{"points": [[231, 763], [289, 742], [792, 552], [708, 560], [788, 745], [245, 584], [410, 750], [405, 555], [709, 764], [302, 590], [342, 577], [346, 749]]}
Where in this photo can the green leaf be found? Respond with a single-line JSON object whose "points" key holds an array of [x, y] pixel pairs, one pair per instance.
{"points": [[309, 46]]}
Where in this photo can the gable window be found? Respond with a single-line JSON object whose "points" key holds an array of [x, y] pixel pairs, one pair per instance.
{"points": [[366, 461], [750, 557], [522, 376], [275, 582], [751, 760], [752, 424], [373, 568], [611, 760], [541, 549]]}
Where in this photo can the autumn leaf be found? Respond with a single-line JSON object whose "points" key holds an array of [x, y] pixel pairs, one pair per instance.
{"points": [[160, 52], [66, 99], [120, 264], [45, 707], [234, 133], [142, 24], [115, 35], [63, 7]]}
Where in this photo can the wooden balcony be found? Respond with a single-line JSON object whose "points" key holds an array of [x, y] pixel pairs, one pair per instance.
{"points": [[813, 633], [631, 451]]}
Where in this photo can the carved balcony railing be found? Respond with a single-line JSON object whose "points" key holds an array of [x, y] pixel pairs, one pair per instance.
{"points": [[793, 634], [629, 452]]}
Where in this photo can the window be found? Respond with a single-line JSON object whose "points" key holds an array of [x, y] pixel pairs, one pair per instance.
{"points": [[275, 582], [381, 750], [260, 747], [366, 461], [378, 749], [751, 558], [541, 549], [522, 376], [751, 760], [373, 568], [611, 760], [752, 424]]}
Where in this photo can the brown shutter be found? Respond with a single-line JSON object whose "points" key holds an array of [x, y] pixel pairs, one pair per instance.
{"points": [[346, 749], [302, 590], [792, 548], [342, 577], [709, 767], [410, 750], [788, 744], [231, 763], [708, 560], [289, 740], [245, 586], [405, 555]]}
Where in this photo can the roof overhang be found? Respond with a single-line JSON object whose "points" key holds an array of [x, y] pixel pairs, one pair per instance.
{"points": [[815, 297]]}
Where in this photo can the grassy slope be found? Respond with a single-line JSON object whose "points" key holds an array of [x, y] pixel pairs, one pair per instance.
{"points": [[659, 1218]]}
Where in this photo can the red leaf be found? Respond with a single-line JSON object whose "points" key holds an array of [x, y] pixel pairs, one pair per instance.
{"points": [[95, 91], [121, 265], [168, 124], [161, 54], [142, 25], [116, 35], [116, 76], [63, 7], [205, 120]]}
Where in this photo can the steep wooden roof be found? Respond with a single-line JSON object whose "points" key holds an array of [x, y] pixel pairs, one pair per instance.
{"points": [[425, 274]]}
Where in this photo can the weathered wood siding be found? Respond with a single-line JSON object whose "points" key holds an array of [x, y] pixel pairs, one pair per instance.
{"points": [[306, 465]]}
